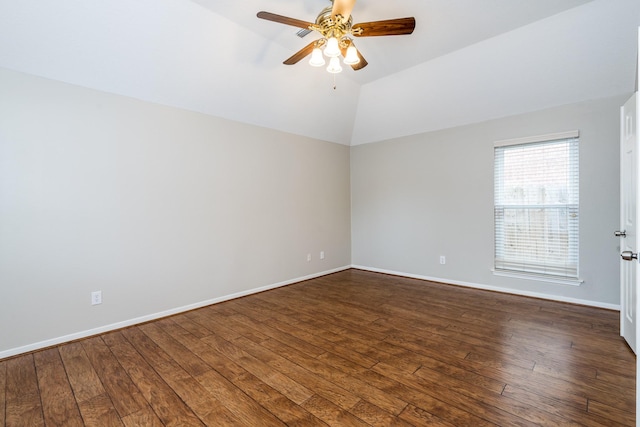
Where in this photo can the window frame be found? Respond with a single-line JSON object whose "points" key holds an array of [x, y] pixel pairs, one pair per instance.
{"points": [[504, 266]]}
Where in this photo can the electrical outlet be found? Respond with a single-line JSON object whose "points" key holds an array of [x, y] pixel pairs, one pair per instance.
{"points": [[443, 260], [96, 297], [321, 254], [308, 257]]}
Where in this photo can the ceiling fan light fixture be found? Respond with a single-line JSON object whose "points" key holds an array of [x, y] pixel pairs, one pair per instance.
{"points": [[316, 58], [332, 50], [334, 65], [335, 24], [352, 56]]}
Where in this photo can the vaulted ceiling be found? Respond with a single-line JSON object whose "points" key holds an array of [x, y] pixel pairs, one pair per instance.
{"points": [[467, 60]]}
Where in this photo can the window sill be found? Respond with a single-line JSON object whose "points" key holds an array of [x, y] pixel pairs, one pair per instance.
{"points": [[538, 277]]}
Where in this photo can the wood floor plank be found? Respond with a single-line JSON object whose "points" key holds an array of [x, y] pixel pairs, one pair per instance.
{"points": [[123, 393], [349, 348], [58, 402], [50, 355], [417, 417], [3, 395], [152, 352], [486, 347], [327, 367], [625, 379], [610, 413], [332, 414], [619, 355], [455, 396], [269, 327], [189, 361], [543, 385], [374, 416], [494, 399], [592, 384], [440, 409], [333, 370], [294, 335], [271, 399], [275, 379], [100, 411], [190, 326], [246, 409], [305, 373], [329, 342], [458, 373], [144, 417], [275, 402], [206, 406], [590, 389], [23, 404], [209, 409], [166, 404], [322, 315], [506, 373], [84, 380], [325, 388], [554, 406]]}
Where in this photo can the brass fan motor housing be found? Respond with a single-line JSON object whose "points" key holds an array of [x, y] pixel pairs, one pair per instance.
{"points": [[337, 27]]}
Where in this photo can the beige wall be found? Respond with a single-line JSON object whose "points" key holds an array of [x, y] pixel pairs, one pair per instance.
{"points": [[164, 209], [159, 208], [419, 197]]}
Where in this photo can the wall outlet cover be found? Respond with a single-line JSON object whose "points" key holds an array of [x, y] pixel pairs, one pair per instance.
{"points": [[96, 297]]}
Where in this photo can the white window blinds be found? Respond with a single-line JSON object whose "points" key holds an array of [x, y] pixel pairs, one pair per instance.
{"points": [[536, 205]]}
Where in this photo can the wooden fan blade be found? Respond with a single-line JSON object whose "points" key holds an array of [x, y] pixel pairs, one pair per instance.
{"points": [[390, 27], [342, 7], [284, 20], [360, 65], [296, 57]]}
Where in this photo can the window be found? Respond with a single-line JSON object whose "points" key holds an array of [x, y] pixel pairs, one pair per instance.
{"points": [[536, 205]]}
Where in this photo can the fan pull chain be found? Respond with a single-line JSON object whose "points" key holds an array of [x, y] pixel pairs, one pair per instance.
{"points": [[334, 82]]}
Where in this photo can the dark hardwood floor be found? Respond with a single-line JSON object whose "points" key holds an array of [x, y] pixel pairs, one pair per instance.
{"points": [[349, 349]]}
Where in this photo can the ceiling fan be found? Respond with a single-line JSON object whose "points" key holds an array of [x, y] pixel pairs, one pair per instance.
{"points": [[335, 24]]}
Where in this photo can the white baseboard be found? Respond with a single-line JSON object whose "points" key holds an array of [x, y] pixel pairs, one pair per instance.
{"points": [[494, 288], [130, 322]]}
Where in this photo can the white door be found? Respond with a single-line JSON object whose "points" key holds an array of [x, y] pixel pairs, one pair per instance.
{"points": [[628, 221]]}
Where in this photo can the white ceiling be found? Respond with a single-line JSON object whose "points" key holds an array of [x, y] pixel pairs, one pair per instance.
{"points": [[443, 26], [467, 60]]}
